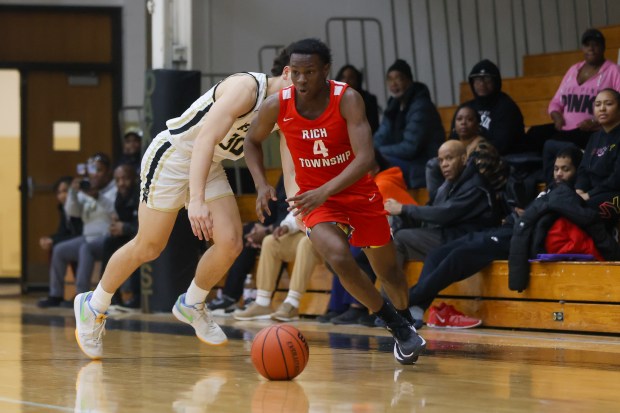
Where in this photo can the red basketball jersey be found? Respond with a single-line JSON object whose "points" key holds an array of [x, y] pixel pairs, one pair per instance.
{"points": [[320, 148]]}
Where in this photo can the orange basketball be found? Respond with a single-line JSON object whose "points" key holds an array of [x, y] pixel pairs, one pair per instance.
{"points": [[280, 352]]}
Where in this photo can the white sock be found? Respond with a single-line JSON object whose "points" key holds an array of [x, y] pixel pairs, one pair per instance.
{"points": [[293, 298], [100, 300], [263, 298], [195, 295]]}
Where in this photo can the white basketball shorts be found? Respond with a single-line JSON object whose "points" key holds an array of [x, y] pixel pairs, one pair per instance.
{"points": [[164, 177]]}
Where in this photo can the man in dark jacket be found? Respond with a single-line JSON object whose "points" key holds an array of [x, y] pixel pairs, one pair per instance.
{"points": [[123, 228], [411, 130], [464, 203], [501, 119]]}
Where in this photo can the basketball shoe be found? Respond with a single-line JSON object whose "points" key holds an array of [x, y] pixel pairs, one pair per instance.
{"points": [[286, 312], [446, 316], [199, 317], [408, 343], [89, 326]]}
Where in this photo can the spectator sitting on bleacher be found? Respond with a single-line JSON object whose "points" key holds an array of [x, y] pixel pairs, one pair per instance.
{"points": [[67, 227], [465, 256], [571, 106], [598, 176], [481, 151], [501, 119], [411, 129], [354, 78], [464, 203], [92, 200], [254, 234], [287, 244], [563, 223], [123, 228], [132, 149]]}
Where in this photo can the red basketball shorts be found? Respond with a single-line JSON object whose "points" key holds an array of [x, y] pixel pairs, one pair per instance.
{"points": [[364, 214]]}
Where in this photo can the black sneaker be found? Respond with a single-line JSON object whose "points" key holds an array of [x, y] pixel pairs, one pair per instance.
{"points": [[327, 317], [49, 302], [408, 344], [224, 305], [368, 320], [350, 316]]}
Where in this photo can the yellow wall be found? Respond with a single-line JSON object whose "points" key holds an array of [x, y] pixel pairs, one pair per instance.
{"points": [[10, 214]]}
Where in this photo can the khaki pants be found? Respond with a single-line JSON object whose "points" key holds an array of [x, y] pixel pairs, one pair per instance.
{"points": [[295, 247]]}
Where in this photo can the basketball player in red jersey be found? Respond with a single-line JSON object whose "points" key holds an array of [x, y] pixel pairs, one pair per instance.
{"points": [[326, 130]]}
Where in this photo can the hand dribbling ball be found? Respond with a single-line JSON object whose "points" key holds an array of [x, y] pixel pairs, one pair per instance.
{"points": [[280, 352]]}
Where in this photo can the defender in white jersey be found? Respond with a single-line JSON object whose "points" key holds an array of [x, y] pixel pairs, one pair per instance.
{"points": [[180, 168]]}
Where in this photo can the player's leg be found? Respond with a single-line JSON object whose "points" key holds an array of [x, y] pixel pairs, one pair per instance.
{"points": [[373, 232], [163, 191], [213, 265], [331, 242], [90, 307], [383, 262]]}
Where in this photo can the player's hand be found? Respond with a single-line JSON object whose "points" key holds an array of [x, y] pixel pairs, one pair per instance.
{"points": [[307, 202], [393, 207], [200, 220], [280, 231], [264, 195]]}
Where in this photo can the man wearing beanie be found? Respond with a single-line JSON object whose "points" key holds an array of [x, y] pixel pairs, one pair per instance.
{"points": [[501, 121], [411, 130]]}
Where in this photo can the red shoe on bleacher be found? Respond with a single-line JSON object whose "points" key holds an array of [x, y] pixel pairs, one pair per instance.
{"points": [[446, 316]]}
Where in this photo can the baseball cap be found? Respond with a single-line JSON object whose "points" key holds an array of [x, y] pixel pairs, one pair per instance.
{"points": [[593, 34]]}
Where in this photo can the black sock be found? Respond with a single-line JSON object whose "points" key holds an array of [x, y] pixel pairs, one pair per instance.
{"points": [[406, 314], [387, 313]]}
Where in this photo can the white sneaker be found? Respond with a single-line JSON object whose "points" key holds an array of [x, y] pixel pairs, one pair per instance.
{"points": [[89, 326], [199, 317]]}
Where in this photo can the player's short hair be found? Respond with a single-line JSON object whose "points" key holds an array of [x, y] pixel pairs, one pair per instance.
{"points": [[280, 61], [312, 46]]}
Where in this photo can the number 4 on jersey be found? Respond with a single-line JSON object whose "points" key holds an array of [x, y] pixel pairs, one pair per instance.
{"points": [[320, 148]]}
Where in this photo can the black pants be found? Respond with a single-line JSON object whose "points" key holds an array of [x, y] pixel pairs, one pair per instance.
{"points": [[458, 260], [110, 245], [243, 265]]}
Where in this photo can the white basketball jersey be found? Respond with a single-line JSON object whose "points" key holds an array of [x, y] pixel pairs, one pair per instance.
{"points": [[184, 129]]}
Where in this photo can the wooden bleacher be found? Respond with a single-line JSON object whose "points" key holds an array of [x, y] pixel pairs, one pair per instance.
{"points": [[564, 296]]}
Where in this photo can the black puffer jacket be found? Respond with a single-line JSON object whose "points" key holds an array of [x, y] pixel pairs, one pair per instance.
{"points": [[463, 206], [531, 228]]}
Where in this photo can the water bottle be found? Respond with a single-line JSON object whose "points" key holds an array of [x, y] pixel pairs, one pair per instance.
{"points": [[249, 294]]}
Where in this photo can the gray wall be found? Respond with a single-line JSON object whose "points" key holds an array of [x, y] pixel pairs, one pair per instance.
{"points": [[442, 39]]}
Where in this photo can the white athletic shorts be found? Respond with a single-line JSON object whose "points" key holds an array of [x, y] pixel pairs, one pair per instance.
{"points": [[164, 177]]}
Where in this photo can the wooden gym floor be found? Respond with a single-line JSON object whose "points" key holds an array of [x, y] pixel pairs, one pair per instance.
{"points": [[154, 364]]}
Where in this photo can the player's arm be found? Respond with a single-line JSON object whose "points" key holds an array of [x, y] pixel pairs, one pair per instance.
{"points": [[259, 130], [236, 97], [353, 111], [288, 168]]}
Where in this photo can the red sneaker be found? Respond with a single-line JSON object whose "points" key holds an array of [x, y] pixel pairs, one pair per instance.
{"points": [[437, 316], [456, 319]]}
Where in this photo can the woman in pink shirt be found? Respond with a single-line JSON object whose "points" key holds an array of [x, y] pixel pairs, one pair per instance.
{"points": [[571, 107]]}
